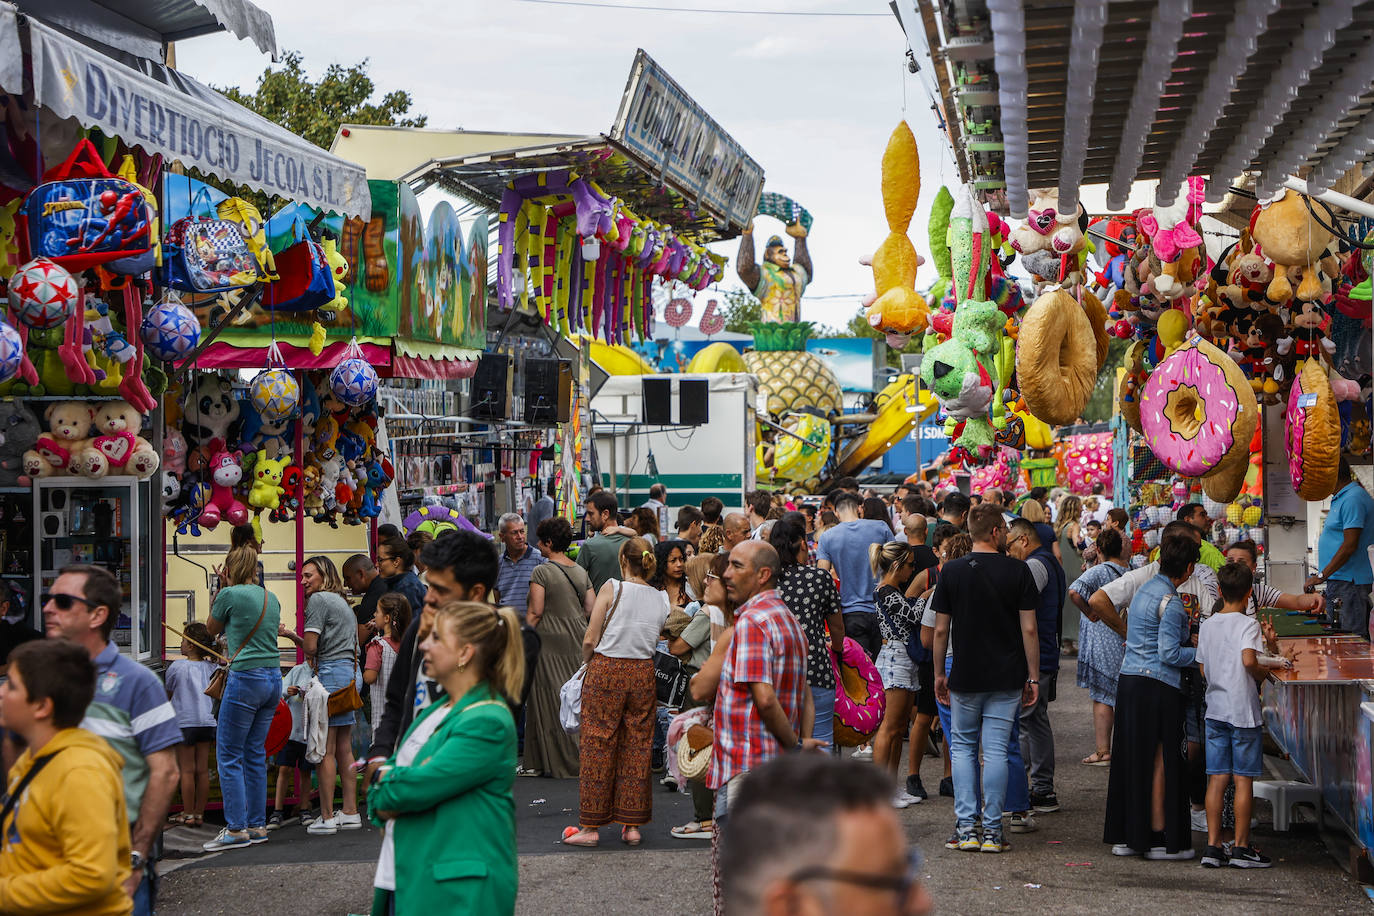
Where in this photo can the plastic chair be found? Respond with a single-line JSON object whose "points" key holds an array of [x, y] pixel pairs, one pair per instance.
{"points": [[1284, 795]]}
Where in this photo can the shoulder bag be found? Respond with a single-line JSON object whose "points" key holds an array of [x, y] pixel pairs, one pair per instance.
{"points": [[215, 689], [570, 694], [347, 698], [12, 798]]}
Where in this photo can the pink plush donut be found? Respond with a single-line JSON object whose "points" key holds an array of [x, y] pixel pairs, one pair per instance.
{"points": [[859, 697], [1190, 409], [1312, 433]]}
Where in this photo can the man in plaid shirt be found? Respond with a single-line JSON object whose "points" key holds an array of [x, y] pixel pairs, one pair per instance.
{"points": [[763, 706]]}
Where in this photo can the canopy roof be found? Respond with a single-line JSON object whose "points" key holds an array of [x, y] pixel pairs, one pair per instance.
{"points": [[1063, 93], [144, 27]]}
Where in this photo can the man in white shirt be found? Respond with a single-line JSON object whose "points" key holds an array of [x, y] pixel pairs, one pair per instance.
{"points": [[658, 496], [756, 505], [1104, 503]]}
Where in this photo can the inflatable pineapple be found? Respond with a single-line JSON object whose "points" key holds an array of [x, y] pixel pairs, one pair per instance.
{"points": [[793, 379]]}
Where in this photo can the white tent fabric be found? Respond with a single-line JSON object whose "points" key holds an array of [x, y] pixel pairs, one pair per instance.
{"points": [[165, 111]]}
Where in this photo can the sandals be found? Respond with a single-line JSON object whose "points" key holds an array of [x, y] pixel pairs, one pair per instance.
{"points": [[572, 836], [626, 838], [694, 830], [1097, 759], [179, 820]]}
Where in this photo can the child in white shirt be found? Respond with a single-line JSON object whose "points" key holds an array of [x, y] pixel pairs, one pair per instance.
{"points": [[1228, 648]]}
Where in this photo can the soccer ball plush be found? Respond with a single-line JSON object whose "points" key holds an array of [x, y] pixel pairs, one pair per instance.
{"points": [[44, 294], [274, 393], [170, 330], [11, 351], [354, 381]]}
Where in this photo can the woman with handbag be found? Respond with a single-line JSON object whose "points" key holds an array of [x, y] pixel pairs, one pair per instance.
{"points": [[331, 650], [560, 604], [618, 700], [247, 614], [445, 795]]}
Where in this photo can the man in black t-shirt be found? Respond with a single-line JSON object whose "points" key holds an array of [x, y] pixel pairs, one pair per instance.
{"points": [[996, 657], [362, 577]]}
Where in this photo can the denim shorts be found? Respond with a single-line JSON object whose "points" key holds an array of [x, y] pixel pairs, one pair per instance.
{"points": [[335, 675], [1234, 751], [896, 668]]}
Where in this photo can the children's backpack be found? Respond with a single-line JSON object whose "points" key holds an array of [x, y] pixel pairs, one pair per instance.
{"points": [[82, 215], [306, 281], [206, 255]]}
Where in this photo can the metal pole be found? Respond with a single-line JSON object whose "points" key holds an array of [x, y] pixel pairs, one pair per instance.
{"points": [[300, 529]]}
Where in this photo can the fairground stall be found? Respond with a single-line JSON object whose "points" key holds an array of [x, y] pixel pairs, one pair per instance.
{"points": [[117, 281], [1192, 181]]}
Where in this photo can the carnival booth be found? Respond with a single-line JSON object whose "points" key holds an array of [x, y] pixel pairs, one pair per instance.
{"points": [[1176, 221], [115, 289]]}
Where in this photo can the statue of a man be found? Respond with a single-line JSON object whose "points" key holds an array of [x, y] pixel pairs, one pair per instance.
{"points": [[779, 281]]}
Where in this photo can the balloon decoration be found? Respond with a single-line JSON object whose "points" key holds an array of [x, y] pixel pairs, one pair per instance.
{"points": [[677, 312], [354, 381], [274, 394], [170, 330]]}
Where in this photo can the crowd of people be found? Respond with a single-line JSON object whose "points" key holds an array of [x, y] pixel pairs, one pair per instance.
{"points": [[719, 640]]}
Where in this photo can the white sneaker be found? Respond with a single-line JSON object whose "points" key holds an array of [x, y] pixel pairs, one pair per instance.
{"points": [[348, 821], [908, 797], [324, 826], [863, 753], [899, 800], [1199, 819]]}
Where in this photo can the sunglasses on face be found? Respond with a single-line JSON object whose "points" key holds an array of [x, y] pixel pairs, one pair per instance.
{"points": [[63, 602]]}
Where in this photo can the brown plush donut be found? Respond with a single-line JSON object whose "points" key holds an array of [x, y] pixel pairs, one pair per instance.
{"points": [[1097, 317], [1226, 481], [1056, 358]]}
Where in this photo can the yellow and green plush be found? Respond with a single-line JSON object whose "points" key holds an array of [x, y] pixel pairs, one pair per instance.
{"points": [[899, 311]]}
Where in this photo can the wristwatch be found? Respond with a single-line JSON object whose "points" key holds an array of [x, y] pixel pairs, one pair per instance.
{"points": [[136, 860], [1031, 681]]}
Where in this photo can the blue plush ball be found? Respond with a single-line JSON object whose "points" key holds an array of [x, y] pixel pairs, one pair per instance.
{"points": [[11, 351], [274, 394], [354, 381], [170, 331]]}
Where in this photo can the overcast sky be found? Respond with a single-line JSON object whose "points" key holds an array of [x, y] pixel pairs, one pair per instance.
{"points": [[811, 98]]}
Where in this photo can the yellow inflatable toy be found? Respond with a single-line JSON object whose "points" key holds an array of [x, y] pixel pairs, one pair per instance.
{"points": [[899, 410], [899, 311], [616, 359], [716, 357], [788, 458]]}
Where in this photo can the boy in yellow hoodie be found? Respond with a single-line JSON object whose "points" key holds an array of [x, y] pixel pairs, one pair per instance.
{"points": [[64, 839]]}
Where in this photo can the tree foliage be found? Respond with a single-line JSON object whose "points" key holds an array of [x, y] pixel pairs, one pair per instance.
{"points": [[741, 310], [314, 109], [1099, 407]]}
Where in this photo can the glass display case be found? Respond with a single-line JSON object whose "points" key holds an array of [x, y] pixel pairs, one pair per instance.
{"points": [[101, 522]]}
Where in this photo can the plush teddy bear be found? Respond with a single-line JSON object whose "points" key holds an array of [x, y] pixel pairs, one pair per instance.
{"points": [[119, 447], [19, 429], [1285, 232], [58, 451]]}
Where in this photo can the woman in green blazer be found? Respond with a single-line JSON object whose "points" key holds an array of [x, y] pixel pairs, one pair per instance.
{"points": [[445, 797]]}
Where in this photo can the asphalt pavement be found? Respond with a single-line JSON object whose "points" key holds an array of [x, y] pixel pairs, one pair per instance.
{"points": [[1062, 868]]}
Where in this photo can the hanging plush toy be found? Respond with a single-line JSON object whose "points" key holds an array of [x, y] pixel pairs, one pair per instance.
{"points": [[1056, 358], [1287, 233], [226, 474], [44, 294], [274, 394], [1051, 240], [354, 381], [170, 330], [898, 311]]}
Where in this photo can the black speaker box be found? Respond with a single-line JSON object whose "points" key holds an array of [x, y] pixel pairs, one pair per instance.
{"points": [[491, 388], [548, 390], [658, 401], [694, 407]]}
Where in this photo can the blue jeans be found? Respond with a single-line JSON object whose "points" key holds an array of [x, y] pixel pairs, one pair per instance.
{"points": [[823, 698], [1018, 785], [250, 701], [987, 718]]}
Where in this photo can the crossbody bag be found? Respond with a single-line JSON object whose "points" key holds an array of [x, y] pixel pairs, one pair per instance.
{"points": [[215, 689]]}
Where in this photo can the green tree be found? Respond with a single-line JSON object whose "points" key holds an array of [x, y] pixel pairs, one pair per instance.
{"points": [[314, 109], [858, 326], [1099, 407], [741, 310]]}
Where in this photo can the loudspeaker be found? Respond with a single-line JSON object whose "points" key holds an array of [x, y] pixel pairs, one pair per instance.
{"points": [[658, 401], [53, 524], [694, 404], [491, 388], [548, 390]]}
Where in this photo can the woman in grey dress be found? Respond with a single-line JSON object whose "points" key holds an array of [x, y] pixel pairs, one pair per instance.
{"points": [[560, 603]]}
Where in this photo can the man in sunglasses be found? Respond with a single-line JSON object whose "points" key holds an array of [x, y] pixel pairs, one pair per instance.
{"points": [[810, 833], [130, 711]]}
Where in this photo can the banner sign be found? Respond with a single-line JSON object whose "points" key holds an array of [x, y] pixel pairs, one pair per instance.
{"points": [[659, 124], [164, 111]]}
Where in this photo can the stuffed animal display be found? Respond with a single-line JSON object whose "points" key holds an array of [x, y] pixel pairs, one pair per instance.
{"points": [[898, 311]]}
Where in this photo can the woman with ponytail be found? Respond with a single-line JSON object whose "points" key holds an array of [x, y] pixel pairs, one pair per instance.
{"points": [[894, 566], [618, 700], [445, 796]]}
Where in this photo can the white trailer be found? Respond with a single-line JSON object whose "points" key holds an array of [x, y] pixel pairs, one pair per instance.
{"points": [[693, 462]]}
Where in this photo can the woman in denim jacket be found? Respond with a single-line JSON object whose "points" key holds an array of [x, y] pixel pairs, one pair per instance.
{"points": [[1147, 795]]}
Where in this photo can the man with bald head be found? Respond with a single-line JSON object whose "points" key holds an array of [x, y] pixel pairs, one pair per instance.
{"points": [[735, 526], [763, 706]]}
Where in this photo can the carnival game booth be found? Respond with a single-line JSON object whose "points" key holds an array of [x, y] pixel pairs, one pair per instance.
{"points": [[91, 134], [1193, 182]]}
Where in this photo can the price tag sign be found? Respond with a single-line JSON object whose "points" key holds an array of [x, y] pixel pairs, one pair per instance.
{"points": [[1307, 400]]}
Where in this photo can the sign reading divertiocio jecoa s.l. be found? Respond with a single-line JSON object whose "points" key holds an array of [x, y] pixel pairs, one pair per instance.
{"points": [[660, 124]]}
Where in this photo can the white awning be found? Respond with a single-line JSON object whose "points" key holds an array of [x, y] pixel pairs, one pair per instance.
{"points": [[164, 111]]}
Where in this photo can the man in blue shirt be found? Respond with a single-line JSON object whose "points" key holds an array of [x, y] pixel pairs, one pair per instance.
{"points": [[517, 563], [844, 549], [1343, 552]]}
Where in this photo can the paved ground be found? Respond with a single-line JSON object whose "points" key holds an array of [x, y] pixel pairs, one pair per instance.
{"points": [[1061, 869]]}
